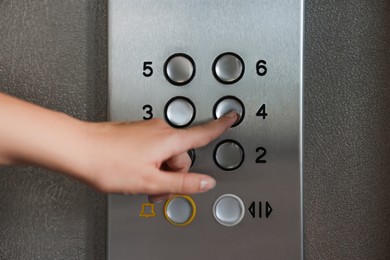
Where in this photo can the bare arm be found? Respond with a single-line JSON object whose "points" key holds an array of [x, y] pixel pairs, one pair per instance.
{"points": [[124, 157]]}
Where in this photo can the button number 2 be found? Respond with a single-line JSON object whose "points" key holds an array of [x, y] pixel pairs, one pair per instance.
{"points": [[262, 152]]}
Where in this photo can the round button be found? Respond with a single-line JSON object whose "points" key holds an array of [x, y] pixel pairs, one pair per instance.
{"points": [[179, 69], [228, 68], [191, 153], [179, 112], [228, 155], [180, 210], [228, 210], [229, 103]]}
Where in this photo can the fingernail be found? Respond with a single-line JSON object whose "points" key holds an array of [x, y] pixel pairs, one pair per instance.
{"points": [[207, 184]]}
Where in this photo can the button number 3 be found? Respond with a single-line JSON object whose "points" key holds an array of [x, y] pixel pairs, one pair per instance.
{"points": [[149, 112]]}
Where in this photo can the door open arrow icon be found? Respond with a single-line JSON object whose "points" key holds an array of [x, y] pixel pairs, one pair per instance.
{"points": [[268, 209]]}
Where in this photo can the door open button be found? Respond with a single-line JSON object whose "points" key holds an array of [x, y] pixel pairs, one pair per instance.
{"points": [[228, 210]]}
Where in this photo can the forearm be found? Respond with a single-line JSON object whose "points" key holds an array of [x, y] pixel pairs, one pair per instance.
{"points": [[124, 157], [35, 135]]}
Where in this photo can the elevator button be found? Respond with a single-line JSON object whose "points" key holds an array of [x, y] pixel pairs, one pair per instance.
{"points": [[228, 155], [179, 69], [228, 210], [228, 68], [180, 210], [227, 104], [179, 112], [191, 153]]}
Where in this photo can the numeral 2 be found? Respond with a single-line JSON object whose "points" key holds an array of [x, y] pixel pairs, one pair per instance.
{"points": [[262, 151]]}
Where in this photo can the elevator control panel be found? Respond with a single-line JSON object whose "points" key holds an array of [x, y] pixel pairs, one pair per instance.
{"points": [[189, 62]]}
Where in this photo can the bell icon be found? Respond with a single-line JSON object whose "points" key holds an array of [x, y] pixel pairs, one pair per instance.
{"points": [[147, 210]]}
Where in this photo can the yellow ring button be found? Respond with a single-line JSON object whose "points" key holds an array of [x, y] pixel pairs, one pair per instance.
{"points": [[180, 210]]}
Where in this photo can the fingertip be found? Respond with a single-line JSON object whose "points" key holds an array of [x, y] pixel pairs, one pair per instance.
{"points": [[201, 135], [232, 117], [231, 114]]}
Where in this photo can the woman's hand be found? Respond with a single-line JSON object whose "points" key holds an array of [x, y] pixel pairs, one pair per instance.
{"points": [[149, 157]]}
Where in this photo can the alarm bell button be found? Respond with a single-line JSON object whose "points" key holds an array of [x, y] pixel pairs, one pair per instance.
{"points": [[147, 210], [180, 210]]}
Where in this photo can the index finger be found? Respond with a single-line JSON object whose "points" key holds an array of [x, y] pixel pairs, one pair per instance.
{"points": [[201, 135]]}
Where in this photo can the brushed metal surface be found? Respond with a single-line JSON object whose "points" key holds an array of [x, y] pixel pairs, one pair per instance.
{"points": [[263, 30]]}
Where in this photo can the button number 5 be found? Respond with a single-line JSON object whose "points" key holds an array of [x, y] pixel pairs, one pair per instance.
{"points": [[148, 70]]}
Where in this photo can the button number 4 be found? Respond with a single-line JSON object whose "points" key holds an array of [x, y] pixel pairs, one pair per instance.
{"points": [[261, 112]]}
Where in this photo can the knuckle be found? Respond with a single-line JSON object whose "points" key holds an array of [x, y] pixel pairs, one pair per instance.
{"points": [[149, 185], [171, 139], [183, 184], [174, 137], [204, 140], [186, 184]]}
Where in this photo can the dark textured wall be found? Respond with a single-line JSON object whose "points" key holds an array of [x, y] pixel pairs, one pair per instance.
{"points": [[347, 130], [53, 53]]}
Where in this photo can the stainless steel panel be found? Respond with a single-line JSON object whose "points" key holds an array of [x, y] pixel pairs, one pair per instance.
{"points": [[152, 31]]}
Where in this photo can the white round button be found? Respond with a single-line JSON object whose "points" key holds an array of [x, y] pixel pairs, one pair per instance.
{"points": [[228, 68], [179, 112], [228, 210], [179, 69], [227, 104], [228, 155]]}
